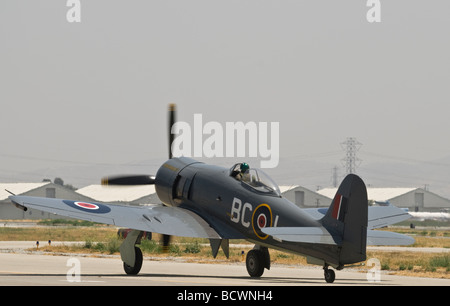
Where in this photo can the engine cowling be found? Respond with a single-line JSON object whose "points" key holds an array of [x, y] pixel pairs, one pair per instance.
{"points": [[173, 180]]}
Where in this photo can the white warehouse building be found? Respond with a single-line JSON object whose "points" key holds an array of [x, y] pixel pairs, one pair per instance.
{"points": [[44, 189], [415, 199]]}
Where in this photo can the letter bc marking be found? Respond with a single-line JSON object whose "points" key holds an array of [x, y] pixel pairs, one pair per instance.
{"points": [[236, 210], [260, 218]]}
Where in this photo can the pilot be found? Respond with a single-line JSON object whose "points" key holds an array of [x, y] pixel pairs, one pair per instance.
{"points": [[243, 174]]}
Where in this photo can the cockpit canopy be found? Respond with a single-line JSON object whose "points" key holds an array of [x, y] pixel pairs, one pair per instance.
{"points": [[256, 179]]}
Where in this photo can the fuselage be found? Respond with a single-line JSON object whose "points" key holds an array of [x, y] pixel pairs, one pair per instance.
{"points": [[235, 208]]}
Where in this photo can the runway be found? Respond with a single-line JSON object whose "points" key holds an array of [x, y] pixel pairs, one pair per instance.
{"points": [[17, 269]]}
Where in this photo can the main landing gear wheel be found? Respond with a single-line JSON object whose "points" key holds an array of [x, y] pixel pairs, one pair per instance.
{"points": [[255, 263], [137, 263], [329, 274]]}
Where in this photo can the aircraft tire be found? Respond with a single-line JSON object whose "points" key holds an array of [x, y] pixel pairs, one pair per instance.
{"points": [[137, 263], [330, 276], [255, 263]]}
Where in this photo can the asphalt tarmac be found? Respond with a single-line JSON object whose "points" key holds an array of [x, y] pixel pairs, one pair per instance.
{"points": [[22, 269]]}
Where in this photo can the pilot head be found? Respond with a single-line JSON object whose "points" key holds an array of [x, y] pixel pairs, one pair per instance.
{"points": [[244, 167]]}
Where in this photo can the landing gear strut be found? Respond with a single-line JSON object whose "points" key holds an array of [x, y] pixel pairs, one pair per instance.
{"points": [[131, 255], [257, 259]]}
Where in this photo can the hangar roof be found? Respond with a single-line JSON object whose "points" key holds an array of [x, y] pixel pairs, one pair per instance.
{"points": [[18, 188], [376, 194], [116, 193], [285, 188]]}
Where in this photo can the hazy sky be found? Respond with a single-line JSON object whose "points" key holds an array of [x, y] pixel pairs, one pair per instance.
{"points": [[95, 93]]}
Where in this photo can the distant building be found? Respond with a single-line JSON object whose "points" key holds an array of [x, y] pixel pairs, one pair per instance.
{"points": [[303, 197], [45, 189], [415, 199], [130, 195]]}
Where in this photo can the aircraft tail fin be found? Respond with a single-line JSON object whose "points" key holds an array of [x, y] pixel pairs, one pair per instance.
{"points": [[347, 218]]}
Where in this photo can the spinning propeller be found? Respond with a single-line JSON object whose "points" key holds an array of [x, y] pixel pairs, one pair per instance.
{"points": [[129, 180], [133, 180]]}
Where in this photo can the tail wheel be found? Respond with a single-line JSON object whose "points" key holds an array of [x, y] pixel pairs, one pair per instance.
{"points": [[255, 263], [137, 263], [329, 274]]}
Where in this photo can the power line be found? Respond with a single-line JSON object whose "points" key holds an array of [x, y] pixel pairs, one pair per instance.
{"points": [[406, 159]]}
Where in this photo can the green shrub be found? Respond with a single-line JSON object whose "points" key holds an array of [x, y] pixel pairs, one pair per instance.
{"points": [[442, 261], [150, 246], [192, 248], [111, 246]]}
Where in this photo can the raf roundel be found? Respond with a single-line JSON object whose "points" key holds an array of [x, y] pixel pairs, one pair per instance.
{"points": [[262, 221], [88, 207], [261, 218]]}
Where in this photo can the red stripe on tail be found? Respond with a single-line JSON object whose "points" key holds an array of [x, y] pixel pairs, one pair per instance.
{"points": [[336, 206]]}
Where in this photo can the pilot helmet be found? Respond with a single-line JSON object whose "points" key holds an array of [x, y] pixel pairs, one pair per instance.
{"points": [[244, 167]]}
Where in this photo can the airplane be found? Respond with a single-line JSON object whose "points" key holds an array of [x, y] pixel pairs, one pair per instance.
{"points": [[436, 216], [421, 215], [207, 201]]}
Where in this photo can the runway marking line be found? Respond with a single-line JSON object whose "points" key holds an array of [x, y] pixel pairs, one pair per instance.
{"points": [[81, 281]]}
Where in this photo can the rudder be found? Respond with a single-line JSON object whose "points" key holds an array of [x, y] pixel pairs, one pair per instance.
{"points": [[347, 218]]}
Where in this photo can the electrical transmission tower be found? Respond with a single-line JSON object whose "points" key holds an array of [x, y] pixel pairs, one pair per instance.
{"points": [[351, 146], [334, 177]]}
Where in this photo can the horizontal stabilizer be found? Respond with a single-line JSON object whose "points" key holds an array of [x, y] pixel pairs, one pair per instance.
{"points": [[321, 235], [387, 238], [302, 234], [378, 216]]}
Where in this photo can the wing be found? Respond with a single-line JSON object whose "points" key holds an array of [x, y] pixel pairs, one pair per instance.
{"points": [[381, 216], [378, 216], [154, 218]]}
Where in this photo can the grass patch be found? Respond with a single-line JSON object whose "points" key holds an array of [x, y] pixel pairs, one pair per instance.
{"points": [[65, 222], [442, 261], [56, 233], [414, 263], [192, 248], [111, 246]]}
